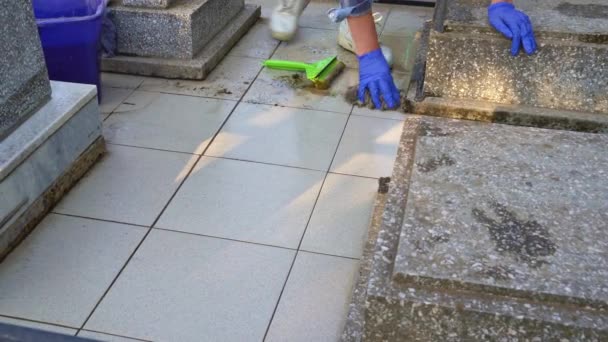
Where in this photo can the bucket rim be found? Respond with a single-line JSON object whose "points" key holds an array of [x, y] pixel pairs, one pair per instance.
{"points": [[62, 20]]}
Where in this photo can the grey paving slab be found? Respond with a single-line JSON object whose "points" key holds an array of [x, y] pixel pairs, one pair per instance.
{"points": [[257, 43], [196, 287], [167, 122], [368, 147], [280, 135], [228, 81], [112, 97], [59, 273], [314, 303], [244, 201], [282, 88], [114, 80], [130, 185], [342, 216]]}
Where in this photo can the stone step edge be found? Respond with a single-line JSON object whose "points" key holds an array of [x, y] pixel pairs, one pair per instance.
{"points": [[197, 68], [353, 328], [517, 115], [470, 30], [380, 289]]}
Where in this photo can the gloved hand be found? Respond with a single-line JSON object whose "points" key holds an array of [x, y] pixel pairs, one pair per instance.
{"points": [[514, 25], [375, 77]]}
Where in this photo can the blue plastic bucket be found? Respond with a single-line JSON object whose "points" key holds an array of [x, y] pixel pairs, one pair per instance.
{"points": [[70, 32]]}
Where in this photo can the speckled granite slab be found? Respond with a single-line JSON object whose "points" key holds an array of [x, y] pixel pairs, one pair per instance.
{"points": [[467, 59], [508, 210], [179, 31], [490, 232], [196, 68]]}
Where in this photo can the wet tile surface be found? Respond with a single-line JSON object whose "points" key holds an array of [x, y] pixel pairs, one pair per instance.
{"points": [[245, 201], [282, 88], [315, 301], [368, 147], [112, 98], [257, 43], [129, 184], [280, 135], [166, 121], [342, 216]]}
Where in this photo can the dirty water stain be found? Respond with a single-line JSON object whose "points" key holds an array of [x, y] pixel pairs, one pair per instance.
{"points": [[428, 130], [526, 239], [435, 163]]}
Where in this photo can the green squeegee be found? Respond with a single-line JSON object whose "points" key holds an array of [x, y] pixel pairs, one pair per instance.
{"points": [[320, 73]]}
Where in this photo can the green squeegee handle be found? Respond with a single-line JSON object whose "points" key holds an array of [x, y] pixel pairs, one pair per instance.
{"points": [[285, 65]]}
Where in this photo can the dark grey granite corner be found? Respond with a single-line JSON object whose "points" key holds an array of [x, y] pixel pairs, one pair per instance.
{"points": [[24, 81], [490, 232]]}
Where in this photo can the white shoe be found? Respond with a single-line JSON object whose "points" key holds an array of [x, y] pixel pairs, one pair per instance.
{"points": [[284, 19], [345, 39]]}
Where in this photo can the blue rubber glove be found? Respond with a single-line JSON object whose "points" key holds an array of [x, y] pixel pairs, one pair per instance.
{"points": [[514, 25], [375, 77]]}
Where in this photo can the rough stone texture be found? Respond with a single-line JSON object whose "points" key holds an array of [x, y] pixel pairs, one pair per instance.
{"points": [[148, 3], [36, 155], [564, 74], [579, 18], [519, 115], [468, 59], [490, 232], [24, 82], [180, 31], [198, 67], [353, 329]]}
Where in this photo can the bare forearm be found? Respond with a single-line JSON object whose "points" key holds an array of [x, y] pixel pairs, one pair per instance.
{"points": [[363, 30]]}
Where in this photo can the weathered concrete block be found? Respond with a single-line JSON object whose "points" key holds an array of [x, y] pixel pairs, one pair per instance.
{"points": [[196, 68], [148, 3], [490, 232], [24, 82], [469, 60], [180, 31]]}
